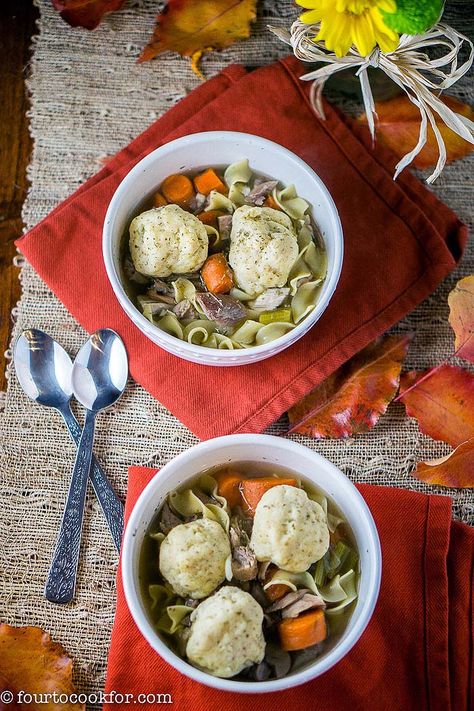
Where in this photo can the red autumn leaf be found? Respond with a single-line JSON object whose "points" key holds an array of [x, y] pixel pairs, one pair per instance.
{"points": [[461, 317], [85, 13], [398, 126], [443, 403], [352, 399], [31, 662], [192, 27], [456, 470]]}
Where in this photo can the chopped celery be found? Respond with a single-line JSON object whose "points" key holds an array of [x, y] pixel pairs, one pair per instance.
{"points": [[350, 562], [337, 557], [332, 562], [276, 316], [320, 573]]}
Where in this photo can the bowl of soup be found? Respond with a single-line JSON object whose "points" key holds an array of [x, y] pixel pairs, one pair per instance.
{"points": [[251, 563], [222, 247]]}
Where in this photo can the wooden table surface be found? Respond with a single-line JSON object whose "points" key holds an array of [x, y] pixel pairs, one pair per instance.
{"points": [[17, 25]]}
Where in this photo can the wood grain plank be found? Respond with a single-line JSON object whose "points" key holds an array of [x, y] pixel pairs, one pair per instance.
{"points": [[17, 25]]}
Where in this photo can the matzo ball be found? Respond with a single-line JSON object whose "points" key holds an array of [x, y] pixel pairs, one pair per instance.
{"points": [[193, 556]]}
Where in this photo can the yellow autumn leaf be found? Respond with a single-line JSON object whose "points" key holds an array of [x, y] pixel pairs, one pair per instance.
{"points": [[30, 662], [192, 27]]}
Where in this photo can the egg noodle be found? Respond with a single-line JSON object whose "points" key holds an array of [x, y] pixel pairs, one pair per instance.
{"points": [[275, 252], [332, 579]]}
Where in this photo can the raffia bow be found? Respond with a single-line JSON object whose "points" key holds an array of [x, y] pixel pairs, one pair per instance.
{"points": [[409, 66]]}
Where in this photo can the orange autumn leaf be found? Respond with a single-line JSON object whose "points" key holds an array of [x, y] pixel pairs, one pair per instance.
{"points": [[31, 662], [443, 402], [352, 399], [192, 27], [85, 13], [456, 470], [398, 126], [461, 317]]}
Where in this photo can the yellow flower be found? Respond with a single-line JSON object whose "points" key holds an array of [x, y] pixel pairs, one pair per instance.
{"points": [[351, 22]]}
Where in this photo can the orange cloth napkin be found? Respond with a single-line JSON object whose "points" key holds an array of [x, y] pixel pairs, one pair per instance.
{"points": [[415, 655], [400, 242]]}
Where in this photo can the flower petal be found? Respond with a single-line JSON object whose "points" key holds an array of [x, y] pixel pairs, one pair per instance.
{"points": [[310, 17], [337, 35], [363, 33], [344, 23], [387, 39], [309, 4], [387, 5]]}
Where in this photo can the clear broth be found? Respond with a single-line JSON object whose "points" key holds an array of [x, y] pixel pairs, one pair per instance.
{"points": [[149, 573], [132, 289]]}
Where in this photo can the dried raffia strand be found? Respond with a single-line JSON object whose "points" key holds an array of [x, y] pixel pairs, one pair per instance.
{"points": [[408, 66]]}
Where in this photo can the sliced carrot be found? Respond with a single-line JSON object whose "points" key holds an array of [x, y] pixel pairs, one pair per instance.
{"points": [[271, 202], [177, 188], [302, 631], [277, 591], [210, 217], [254, 489], [159, 200], [217, 275], [228, 486], [207, 181]]}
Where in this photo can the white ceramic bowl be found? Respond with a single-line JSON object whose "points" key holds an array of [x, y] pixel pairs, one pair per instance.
{"points": [[220, 148], [301, 460]]}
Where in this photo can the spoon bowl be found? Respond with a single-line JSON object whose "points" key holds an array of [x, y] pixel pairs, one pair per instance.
{"points": [[100, 371], [43, 368], [44, 371]]}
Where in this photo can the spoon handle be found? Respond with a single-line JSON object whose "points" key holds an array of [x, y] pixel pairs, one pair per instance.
{"points": [[110, 503], [61, 582]]}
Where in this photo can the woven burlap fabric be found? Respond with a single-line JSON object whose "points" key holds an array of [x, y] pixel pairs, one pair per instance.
{"points": [[88, 100]]}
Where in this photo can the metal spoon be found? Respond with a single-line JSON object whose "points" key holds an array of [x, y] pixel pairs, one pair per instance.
{"points": [[99, 376], [44, 372]]}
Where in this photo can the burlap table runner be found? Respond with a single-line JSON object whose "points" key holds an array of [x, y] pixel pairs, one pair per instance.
{"points": [[88, 100]]}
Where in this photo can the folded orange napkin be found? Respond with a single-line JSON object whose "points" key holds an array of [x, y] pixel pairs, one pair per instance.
{"points": [[415, 655], [400, 242]]}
